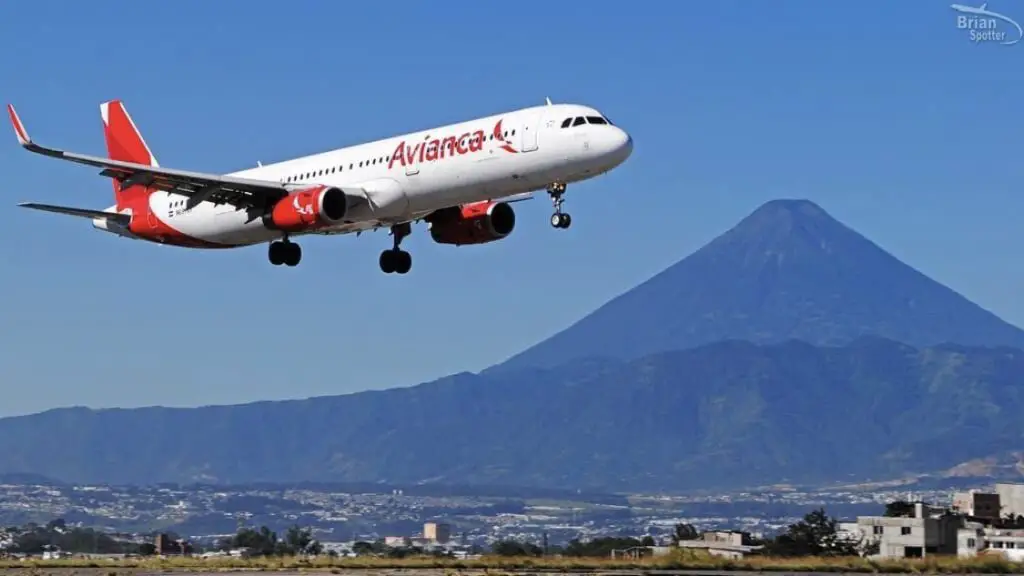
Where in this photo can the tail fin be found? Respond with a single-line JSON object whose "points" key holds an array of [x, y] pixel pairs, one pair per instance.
{"points": [[125, 143]]}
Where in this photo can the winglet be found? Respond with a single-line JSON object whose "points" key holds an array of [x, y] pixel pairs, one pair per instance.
{"points": [[19, 128]]}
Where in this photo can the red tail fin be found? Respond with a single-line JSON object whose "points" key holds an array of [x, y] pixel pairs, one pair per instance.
{"points": [[125, 143]]}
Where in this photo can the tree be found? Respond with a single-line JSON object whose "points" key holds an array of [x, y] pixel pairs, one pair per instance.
{"points": [[815, 535], [262, 542], [684, 532], [299, 541], [600, 547], [34, 539], [647, 541], [899, 509], [362, 548], [1009, 522], [515, 548]]}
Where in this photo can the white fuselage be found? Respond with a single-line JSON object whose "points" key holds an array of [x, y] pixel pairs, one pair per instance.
{"points": [[413, 174]]}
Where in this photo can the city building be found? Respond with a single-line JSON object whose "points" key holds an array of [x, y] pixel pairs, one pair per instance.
{"points": [[978, 504], [928, 531], [397, 541], [435, 532], [728, 544], [1012, 498], [975, 539], [164, 546]]}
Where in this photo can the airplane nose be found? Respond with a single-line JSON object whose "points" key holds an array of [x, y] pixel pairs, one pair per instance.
{"points": [[623, 144]]}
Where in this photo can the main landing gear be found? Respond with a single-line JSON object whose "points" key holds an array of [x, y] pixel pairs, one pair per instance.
{"points": [[559, 219], [397, 260], [284, 252]]}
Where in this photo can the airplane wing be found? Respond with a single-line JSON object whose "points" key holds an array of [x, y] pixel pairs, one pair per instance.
{"points": [[515, 197], [239, 192], [123, 219]]}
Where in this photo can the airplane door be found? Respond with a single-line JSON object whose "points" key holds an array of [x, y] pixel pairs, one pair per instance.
{"points": [[529, 134]]}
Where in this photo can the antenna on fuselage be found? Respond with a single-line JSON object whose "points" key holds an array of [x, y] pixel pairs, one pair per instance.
{"points": [[548, 100], [258, 163]]}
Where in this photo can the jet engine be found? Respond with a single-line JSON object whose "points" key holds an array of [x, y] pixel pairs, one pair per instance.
{"points": [[309, 208], [475, 223]]}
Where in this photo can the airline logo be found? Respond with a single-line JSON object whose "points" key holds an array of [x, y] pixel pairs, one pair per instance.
{"points": [[303, 204], [432, 150]]}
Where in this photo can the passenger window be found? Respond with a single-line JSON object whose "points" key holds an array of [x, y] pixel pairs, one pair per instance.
{"points": [[566, 122], [595, 120], [579, 120]]}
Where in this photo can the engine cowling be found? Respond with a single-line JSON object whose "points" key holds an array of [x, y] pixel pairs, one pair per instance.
{"points": [[307, 209], [475, 223]]}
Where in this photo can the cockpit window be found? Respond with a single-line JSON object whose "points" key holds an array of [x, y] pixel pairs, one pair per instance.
{"points": [[579, 120], [566, 122], [595, 120]]}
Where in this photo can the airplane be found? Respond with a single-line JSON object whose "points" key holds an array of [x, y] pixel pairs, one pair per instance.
{"points": [[460, 179]]}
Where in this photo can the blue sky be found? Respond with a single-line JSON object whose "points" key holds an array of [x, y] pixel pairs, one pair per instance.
{"points": [[883, 113]]}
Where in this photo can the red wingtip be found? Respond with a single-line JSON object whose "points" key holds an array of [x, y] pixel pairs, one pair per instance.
{"points": [[19, 128]]}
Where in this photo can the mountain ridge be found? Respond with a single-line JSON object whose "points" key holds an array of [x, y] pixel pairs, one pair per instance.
{"points": [[786, 270], [788, 349], [728, 414]]}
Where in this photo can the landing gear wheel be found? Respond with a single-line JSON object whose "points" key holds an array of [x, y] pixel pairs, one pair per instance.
{"points": [[403, 262], [293, 254], [275, 253], [395, 260], [561, 220], [286, 253]]}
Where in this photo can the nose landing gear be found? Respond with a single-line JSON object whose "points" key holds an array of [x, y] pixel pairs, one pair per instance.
{"points": [[559, 219]]}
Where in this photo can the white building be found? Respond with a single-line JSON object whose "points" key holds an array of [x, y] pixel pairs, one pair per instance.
{"points": [[926, 532], [721, 543], [976, 540], [1011, 497]]}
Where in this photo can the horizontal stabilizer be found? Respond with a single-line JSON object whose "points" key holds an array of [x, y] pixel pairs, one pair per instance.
{"points": [[216, 188], [122, 219]]}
